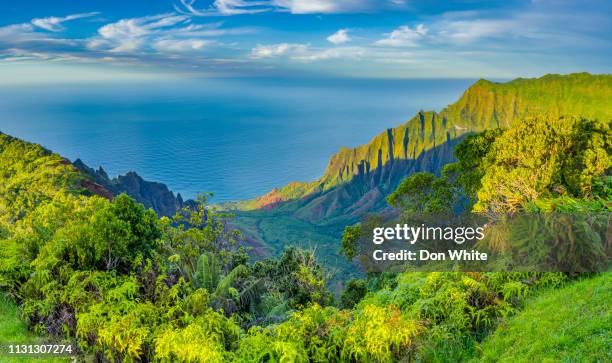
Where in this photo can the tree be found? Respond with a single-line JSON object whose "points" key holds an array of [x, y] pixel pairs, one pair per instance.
{"points": [[423, 193], [542, 158], [467, 172], [354, 292], [350, 239]]}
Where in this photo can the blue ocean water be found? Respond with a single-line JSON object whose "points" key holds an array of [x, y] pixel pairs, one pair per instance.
{"points": [[237, 138]]}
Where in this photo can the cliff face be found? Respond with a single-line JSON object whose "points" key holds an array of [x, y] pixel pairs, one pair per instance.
{"points": [[151, 194], [357, 179]]}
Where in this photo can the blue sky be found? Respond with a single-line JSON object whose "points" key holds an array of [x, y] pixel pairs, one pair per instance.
{"points": [[66, 40]]}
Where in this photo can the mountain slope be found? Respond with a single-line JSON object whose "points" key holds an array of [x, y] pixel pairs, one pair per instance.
{"points": [[357, 180]]}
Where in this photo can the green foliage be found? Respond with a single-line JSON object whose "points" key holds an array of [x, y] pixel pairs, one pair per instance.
{"points": [[350, 238], [317, 334], [459, 308], [541, 163], [568, 242], [270, 231], [208, 272], [206, 338], [566, 204], [383, 334], [469, 169], [423, 193], [193, 232], [126, 286], [353, 293], [31, 176], [545, 157], [297, 275], [116, 236]]}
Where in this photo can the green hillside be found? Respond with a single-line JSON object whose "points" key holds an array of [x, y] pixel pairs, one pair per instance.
{"points": [[573, 324], [357, 180], [484, 105], [32, 176]]}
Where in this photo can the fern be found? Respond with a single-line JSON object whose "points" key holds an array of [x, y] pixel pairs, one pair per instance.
{"points": [[208, 272]]}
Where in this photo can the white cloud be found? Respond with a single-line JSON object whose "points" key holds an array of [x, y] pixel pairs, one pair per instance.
{"points": [[404, 36], [18, 31], [310, 55], [275, 50], [22, 34], [167, 33], [465, 31], [339, 37], [18, 36], [480, 36], [307, 6], [16, 55], [305, 53], [180, 46], [54, 23], [127, 45], [127, 35], [155, 38], [232, 7], [224, 7], [324, 6], [235, 7]]}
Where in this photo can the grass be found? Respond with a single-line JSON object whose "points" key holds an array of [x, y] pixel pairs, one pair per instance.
{"points": [[572, 324], [14, 331]]}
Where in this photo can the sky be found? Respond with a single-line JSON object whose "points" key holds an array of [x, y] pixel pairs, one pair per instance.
{"points": [[66, 40]]}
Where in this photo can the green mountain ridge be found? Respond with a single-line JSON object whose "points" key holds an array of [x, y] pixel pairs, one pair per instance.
{"points": [[424, 143], [357, 180]]}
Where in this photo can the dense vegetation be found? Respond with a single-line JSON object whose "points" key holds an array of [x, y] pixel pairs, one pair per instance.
{"points": [[539, 166], [123, 285], [126, 285]]}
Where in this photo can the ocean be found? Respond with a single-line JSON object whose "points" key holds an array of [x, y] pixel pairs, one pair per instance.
{"points": [[235, 137]]}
